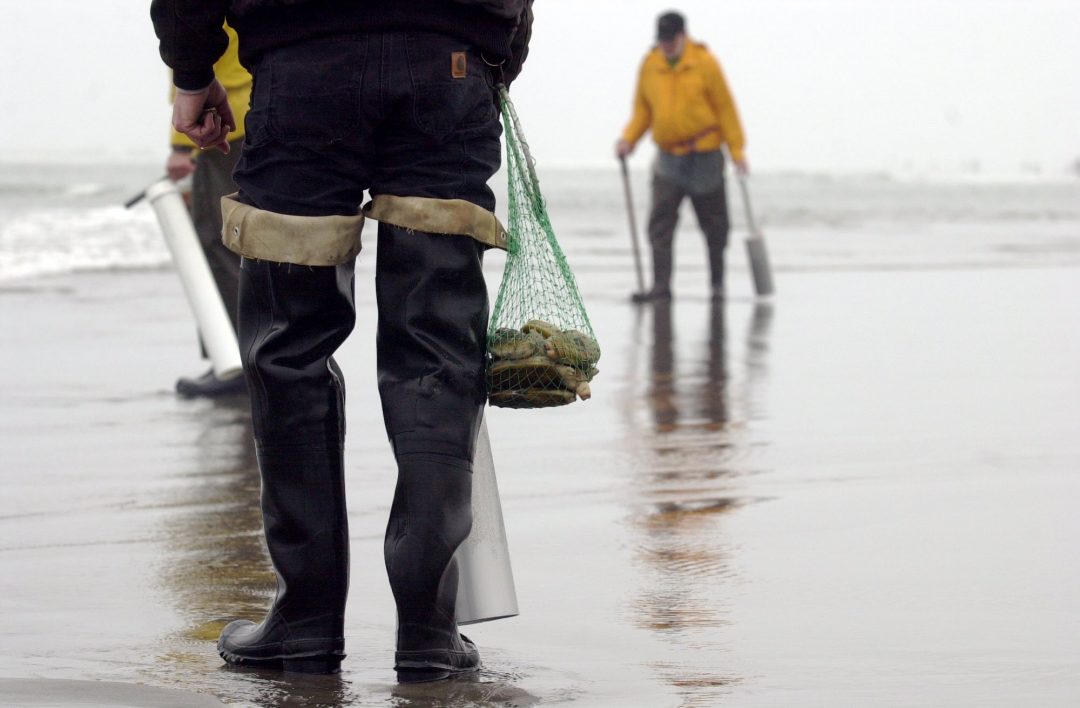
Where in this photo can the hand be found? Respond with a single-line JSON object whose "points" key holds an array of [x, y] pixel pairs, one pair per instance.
{"points": [[179, 165], [519, 45], [742, 167], [205, 117], [623, 148]]}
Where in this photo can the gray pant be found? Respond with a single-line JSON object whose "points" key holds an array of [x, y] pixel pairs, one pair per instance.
{"points": [[212, 180], [710, 206]]}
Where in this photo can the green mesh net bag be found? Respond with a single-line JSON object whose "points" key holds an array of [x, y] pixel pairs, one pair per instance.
{"points": [[541, 347]]}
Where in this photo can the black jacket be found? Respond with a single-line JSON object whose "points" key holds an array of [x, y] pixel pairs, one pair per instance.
{"points": [[192, 38]]}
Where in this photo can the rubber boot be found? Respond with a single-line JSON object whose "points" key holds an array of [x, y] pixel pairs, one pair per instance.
{"points": [[712, 215], [663, 220], [662, 267], [430, 517], [292, 319], [716, 273], [433, 313]]}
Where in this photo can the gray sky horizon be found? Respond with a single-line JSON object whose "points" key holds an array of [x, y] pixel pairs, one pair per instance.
{"points": [[954, 87]]}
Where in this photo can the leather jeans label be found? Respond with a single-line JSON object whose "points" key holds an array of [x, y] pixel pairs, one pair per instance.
{"points": [[458, 65]]}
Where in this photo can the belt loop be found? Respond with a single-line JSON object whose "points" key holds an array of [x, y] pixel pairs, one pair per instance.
{"points": [[496, 70]]}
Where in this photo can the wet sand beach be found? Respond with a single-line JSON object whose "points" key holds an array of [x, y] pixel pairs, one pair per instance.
{"points": [[861, 494]]}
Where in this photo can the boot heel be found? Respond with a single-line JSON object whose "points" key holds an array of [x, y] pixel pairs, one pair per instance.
{"points": [[422, 675], [313, 665]]}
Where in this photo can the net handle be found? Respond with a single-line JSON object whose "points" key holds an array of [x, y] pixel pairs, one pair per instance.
{"points": [[519, 137]]}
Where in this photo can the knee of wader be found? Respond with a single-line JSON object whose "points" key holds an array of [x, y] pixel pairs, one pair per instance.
{"points": [[432, 415], [304, 240], [452, 438], [439, 216]]}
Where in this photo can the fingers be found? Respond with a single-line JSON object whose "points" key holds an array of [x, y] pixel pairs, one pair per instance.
{"points": [[217, 127], [211, 121], [227, 119], [211, 131]]}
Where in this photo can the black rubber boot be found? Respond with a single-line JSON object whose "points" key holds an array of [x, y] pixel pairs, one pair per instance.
{"points": [[662, 266], [717, 275], [429, 519], [210, 386], [712, 215], [432, 336], [292, 319]]}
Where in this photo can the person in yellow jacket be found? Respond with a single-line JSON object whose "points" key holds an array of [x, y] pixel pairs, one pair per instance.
{"points": [[683, 98], [211, 172]]}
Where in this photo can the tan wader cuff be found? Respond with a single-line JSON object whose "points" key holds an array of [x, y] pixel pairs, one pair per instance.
{"points": [[304, 240], [439, 216]]}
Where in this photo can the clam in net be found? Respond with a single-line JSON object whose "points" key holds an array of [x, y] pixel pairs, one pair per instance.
{"points": [[542, 350]]}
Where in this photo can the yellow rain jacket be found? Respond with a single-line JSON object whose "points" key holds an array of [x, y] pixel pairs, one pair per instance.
{"points": [[237, 82], [688, 106]]}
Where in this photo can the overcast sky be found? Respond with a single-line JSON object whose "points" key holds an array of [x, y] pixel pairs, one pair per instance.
{"points": [[904, 86]]}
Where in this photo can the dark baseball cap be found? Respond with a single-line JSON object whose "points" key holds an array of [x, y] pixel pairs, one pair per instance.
{"points": [[668, 25]]}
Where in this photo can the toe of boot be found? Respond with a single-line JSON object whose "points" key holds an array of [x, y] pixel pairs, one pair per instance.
{"points": [[242, 643]]}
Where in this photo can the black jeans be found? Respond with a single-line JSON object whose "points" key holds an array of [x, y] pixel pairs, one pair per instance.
{"points": [[398, 114], [379, 112]]}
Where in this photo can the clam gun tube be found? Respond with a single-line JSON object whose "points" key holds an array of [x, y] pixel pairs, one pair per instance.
{"points": [[756, 252], [199, 287], [485, 579]]}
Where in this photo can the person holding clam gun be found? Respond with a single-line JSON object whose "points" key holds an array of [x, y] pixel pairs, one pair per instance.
{"points": [[683, 97]]}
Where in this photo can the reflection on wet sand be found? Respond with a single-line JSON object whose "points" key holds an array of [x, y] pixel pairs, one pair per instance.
{"points": [[274, 689], [218, 567], [697, 446], [462, 692], [218, 570]]}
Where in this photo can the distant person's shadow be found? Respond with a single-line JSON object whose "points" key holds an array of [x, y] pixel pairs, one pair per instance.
{"points": [[700, 396], [662, 369], [686, 481]]}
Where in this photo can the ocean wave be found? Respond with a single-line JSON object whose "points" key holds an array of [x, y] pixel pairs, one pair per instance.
{"points": [[55, 241], [55, 222]]}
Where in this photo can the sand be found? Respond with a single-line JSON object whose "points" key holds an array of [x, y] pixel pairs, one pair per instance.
{"points": [[861, 494]]}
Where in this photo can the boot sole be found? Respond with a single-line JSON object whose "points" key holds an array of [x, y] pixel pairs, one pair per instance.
{"points": [[295, 665], [428, 675]]}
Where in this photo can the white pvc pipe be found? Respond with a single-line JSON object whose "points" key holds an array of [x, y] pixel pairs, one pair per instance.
{"points": [[202, 293], [485, 579]]}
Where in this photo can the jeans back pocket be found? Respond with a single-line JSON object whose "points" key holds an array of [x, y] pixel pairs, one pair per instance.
{"points": [[452, 88], [314, 94]]}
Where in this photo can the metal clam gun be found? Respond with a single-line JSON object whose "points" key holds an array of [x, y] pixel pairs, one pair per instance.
{"points": [[485, 579]]}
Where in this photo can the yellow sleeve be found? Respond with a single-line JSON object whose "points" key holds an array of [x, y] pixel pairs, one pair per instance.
{"points": [[726, 113], [642, 117], [228, 69], [237, 82]]}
